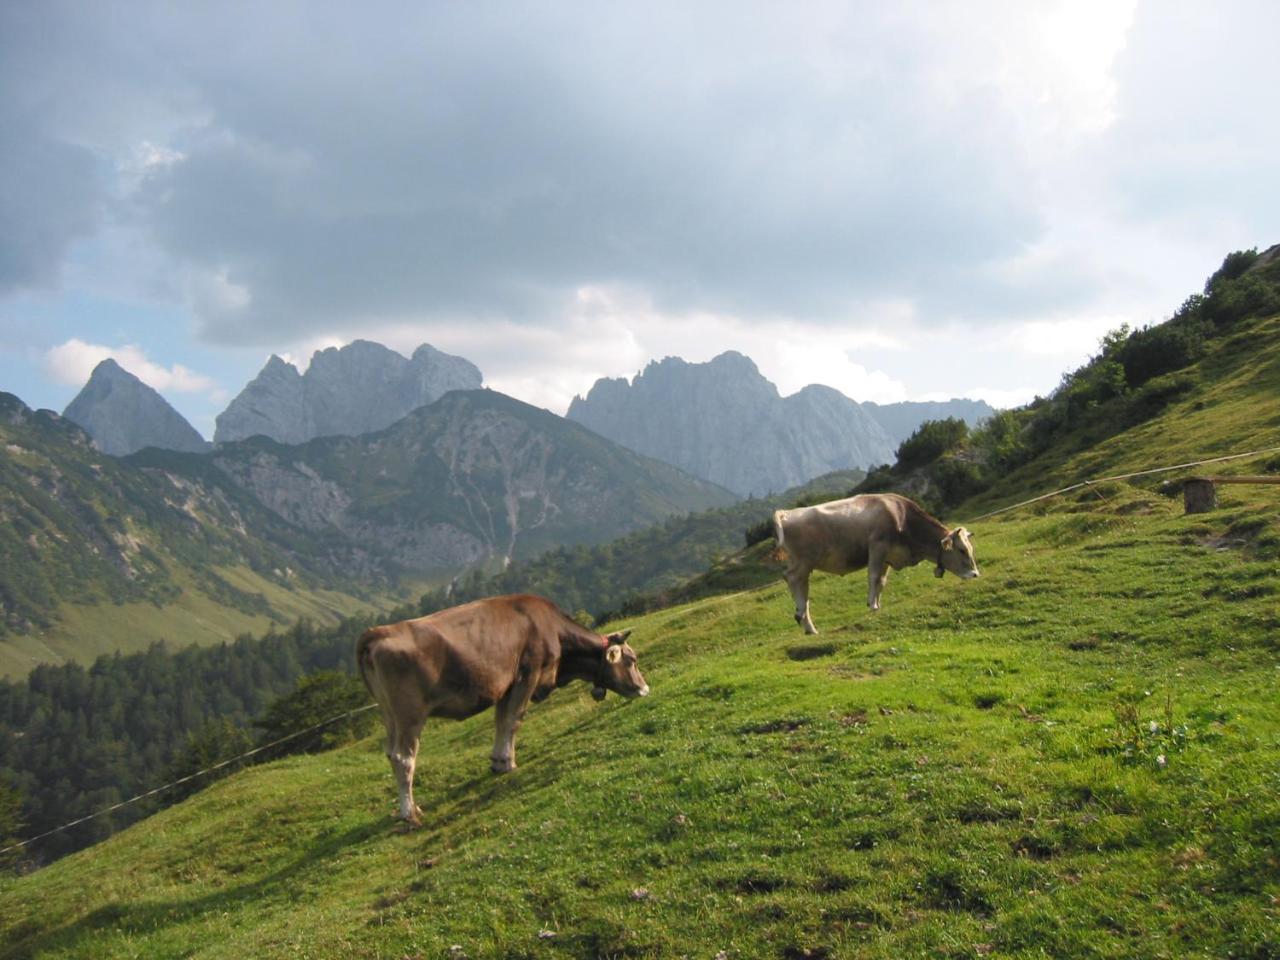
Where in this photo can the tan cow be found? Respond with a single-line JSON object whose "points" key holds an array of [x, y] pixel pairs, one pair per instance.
{"points": [[878, 531], [501, 652]]}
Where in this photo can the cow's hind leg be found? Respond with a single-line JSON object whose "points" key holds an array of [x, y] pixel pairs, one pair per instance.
{"points": [[877, 575], [402, 751], [798, 581], [508, 715]]}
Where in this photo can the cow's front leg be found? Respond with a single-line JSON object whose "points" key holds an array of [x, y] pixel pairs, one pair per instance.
{"points": [[877, 574], [508, 715], [798, 581]]}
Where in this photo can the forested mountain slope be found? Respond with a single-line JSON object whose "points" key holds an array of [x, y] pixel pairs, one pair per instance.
{"points": [[474, 476], [112, 554], [99, 554], [610, 579]]}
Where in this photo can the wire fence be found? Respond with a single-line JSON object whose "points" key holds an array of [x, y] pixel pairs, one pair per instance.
{"points": [[187, 779], [1126, 476]]}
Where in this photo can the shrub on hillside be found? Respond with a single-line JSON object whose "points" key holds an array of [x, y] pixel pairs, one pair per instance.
{"points": [[217, 741], [1234, 300], [1162, 349], [931, 440], [11, 824], [957, 479], [1234, 266], [317, 698]]}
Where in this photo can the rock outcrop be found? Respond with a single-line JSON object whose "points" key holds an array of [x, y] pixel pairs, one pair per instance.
{"points": [[122, 415], [725, 422], [347, 391]]}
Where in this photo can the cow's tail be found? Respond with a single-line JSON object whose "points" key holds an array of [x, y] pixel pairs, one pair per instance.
{"points": [[780, 548], [364, 657]]}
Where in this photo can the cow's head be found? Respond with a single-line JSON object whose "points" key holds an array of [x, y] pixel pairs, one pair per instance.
{"points": [[618, 671], [955, 553]]}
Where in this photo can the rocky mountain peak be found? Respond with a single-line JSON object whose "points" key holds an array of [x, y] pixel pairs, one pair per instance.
{"points": [[346, 391], [726, 422], [122, 414]]}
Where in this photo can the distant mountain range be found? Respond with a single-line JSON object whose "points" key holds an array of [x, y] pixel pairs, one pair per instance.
{"points": [[475, 477], [721, 421], [347, 391], [725, 422]]}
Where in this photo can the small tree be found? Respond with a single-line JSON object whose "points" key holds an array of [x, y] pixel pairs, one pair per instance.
{"points": [[317, 698], [11, 824], [931, 440], [213, 743]]}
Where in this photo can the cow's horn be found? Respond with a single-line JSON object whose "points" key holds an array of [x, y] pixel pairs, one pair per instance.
{"points": [[619, 637]]}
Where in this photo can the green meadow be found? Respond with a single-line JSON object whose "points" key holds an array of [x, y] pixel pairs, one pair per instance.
{"points": [[1076, 755]]}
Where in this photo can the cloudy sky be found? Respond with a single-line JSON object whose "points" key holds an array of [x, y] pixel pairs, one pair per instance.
{"points": [[903, 201]]}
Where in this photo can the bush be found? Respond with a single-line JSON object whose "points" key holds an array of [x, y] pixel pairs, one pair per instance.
{"points": [[1002, 442], [317, 698], [1161, 349], [11, 824], [931, 440], [957, 480], [1234, 300], [1234, 266]]}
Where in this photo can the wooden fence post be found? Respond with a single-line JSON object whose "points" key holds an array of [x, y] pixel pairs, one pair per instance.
{"points": [[1198, 495]]}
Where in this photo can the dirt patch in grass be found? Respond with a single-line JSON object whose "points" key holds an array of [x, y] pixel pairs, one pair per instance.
{"points": [[755, 883], [781, 725], [811, 651]]}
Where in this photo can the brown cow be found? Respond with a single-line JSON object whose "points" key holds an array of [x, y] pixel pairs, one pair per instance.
{"points": [[878, 531], [503, 652]]}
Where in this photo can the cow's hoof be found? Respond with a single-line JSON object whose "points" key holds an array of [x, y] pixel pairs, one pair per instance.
{"points": [[501, 766]]}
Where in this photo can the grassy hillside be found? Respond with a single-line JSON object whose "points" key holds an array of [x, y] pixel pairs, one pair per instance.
{"points": [[100, 554], [82, 632], [1075, 755]]}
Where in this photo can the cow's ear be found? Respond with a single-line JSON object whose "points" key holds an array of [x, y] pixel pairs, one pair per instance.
{"points": [[619, 637], [613, 654], [948, 542]]}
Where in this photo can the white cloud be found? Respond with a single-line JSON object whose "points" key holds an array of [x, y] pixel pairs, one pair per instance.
{"points": [[72, 363], [1072, 339]]}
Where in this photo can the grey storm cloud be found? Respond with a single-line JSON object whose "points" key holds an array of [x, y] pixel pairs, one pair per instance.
{"points": [[50, 189], [338, 163], [49, 198]]}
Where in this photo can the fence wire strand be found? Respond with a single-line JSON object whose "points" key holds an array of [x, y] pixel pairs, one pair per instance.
{"points": [[189, 777], [1126, 476]]}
